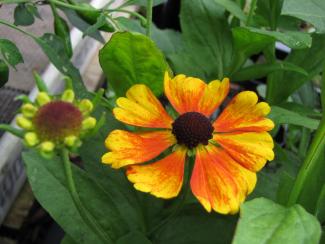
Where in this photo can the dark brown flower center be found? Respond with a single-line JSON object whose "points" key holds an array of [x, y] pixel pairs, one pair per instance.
{"points": [[56, 120], [192, 128]]}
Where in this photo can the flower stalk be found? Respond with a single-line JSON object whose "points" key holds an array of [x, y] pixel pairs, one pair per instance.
{"points": [[86, 216], [149, 17], [12, 130]]}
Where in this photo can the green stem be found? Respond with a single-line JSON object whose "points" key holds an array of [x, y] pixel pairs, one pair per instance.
{"points": [[17, 28], [53, 8], [15, 1], [180, 204], [149, 17], [251, 12], [86, 216], [57, 2], [135, 14], [17, 132], [75, 7], [315, 151]]}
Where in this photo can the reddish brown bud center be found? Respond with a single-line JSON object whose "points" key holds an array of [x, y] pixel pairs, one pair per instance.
{"points": [[192, 128], [56, 120]]}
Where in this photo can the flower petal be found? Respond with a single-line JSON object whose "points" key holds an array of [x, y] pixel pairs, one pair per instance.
{"points": [[132, 148], [214, 94], [250, 149], [163, 178], [244, 114], [142, 108], [218, 182], [184, 93]]}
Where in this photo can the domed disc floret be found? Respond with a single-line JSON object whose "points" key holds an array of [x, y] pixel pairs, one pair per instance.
{"points": [[56, 120], [191, 129]]}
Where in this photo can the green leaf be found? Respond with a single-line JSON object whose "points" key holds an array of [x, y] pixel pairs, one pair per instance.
{"points": [[168, 41], [140, 209], [293, 39], [207, 51], [268, 12], [306, 95], [194, 225], [4, 73], [283, 116], [312, 11], [246, 44], [314, 180], [263, 221], [33, 10], [10, 52], [113, 181], [67, 240], [23, 16], [101, 21], [311, 175], [62, 30], [270, 178], [144, 2], [49, 185], [91, 16], [131, 58], [301, 109], [82, 25], [257, 71], [134, 238], [48, 189], [312, 60], [286, 183], [53, 47], [233, 8], [320, 207]]}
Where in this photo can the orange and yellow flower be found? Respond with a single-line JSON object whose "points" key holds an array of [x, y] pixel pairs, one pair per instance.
{"points": [[228, 151]]}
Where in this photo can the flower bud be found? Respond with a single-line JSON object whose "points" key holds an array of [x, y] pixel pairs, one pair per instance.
{"points": [[28, 110], [24, 123], [70, 141], [47, 146], [43, 98], [85, 106], [31, 139], [88, 123], [68, 96]]}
